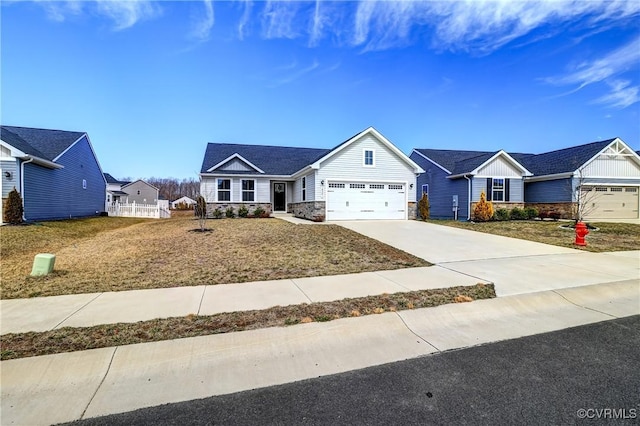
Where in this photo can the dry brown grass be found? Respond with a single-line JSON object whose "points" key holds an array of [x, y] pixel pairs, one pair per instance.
{"points": [[608, 237], [114, 254], [70, 339]]}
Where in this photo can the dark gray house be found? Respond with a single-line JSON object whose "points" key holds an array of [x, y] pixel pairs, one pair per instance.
{"points": [[55, 171]]}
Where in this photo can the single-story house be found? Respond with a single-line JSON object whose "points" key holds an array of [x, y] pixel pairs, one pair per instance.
{"points": [[186, 201], [56, 172], [605, 175], [364, 177], [115, 194]]}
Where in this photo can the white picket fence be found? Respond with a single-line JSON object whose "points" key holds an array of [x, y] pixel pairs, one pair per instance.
{"points": [[157, 211]]}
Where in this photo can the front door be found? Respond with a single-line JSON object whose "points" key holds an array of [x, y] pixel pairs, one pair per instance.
{"points": [[279, 196]]}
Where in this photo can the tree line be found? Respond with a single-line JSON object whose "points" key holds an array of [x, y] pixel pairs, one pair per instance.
{"points": [[171, 188]]}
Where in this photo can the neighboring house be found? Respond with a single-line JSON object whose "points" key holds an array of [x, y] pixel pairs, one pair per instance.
{"points": [[184, 201], [365, 177], [115, 194], [55, 171], [549, 182]]}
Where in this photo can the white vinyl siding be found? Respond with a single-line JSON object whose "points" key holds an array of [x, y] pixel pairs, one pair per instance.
{"points": [[499, 167], [14, 180], [516, 189], [348, 165], [610, 167], [235, 165], [208, 187]]}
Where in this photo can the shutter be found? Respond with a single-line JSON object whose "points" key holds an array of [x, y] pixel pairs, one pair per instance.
{"points": [[489, 188], [506, 189]]}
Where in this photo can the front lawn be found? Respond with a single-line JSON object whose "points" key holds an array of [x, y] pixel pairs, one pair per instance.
{"points": [[608, 237], [114, 254]]}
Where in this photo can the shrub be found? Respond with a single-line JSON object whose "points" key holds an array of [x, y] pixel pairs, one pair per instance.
{"points": [[243, 211], [217, 213], [13, 209], [543, 214], [554, 215], [517, 214], [501, 214], [424, 207], [200, 210], [531, 213], [229, 212], [483, 211], [259, 212]]}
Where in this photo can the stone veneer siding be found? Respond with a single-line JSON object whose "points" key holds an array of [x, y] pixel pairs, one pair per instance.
{"points": [[565, 210], [412, 210], [224, 206], [310, 210]]}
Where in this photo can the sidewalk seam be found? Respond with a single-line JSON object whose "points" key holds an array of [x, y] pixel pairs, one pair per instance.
{"points": [[204, 290], [464, 273], [583, 307], [113, 355], [390, 280], [76, 311], [301, 290], [416, 334]]}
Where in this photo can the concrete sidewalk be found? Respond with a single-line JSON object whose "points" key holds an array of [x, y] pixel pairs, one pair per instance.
{"points": [[84, 310], [112, 380]]}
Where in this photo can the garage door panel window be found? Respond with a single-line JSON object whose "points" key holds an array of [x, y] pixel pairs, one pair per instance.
{"points": [[224, 189], [248, 190]]}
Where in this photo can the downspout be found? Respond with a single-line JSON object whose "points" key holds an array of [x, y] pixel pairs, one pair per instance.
{"points": [[22, 185], [468, 197]]}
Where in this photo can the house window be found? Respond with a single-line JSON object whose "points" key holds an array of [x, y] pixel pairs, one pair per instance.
{"points": [[224, 189], [425, 189], [497, 190], [84, 184], [248, 190], [304, 189], [368, 158]]}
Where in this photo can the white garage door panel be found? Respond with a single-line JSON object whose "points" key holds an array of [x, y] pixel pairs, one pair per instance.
{"points": [[611, 202], [357, 200]]}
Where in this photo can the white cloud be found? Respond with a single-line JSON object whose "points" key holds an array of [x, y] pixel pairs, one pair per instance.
{"points": [[202, 27], [621, 96], [244, 20], [278, 19], [295, 75], [606, 69], [126, 13]]}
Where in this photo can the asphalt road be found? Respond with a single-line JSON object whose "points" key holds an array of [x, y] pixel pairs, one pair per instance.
{"points": [[582, 375]]}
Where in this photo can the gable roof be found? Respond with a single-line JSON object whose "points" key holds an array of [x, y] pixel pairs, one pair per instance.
{"points": [[565, 160], [125, 184], [111, 179], [41, 143], [456, 162], [272, 160]]}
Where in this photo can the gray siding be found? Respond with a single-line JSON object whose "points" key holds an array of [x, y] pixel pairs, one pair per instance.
{"points": [[548, 191], [208, 188], [441, 190], [141, 193], [59, 193], [516, 189], [11, 166]]}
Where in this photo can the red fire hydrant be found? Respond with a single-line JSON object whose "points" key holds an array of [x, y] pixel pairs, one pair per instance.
{"points": [[581, 232]]}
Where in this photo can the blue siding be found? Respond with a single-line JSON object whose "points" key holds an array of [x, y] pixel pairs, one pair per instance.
{"points": [[441, 190], [548, 191], [59, 193]]}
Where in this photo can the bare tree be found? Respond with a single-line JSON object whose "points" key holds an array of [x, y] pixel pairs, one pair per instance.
{"points": [[585, 196]]}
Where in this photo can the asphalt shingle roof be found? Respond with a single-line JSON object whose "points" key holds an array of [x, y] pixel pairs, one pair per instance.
{"points": [[110, 179], [548, 163], [273, 160], [43, 143]]}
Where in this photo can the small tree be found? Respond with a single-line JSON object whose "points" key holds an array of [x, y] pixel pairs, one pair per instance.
{"points": [[13, 209], [483, 211], [200, 210], [424, 207]]}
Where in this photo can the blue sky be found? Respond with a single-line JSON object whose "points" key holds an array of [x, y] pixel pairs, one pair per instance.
{"points": [[153, 82]]}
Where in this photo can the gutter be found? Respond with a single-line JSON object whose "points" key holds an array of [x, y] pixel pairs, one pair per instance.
{"points": [[468, 196], [30, 160]]}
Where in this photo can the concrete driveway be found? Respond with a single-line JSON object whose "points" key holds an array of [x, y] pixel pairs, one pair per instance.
{"points": [[515, 266]]}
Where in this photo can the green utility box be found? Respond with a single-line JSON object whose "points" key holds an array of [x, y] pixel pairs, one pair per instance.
{"points": [[43, 264]]}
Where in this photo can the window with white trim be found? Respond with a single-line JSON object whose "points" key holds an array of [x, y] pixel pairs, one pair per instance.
{"points": [[304, 188], [248, 190], [84, 184], [224, 189], [497, 190], [425, 189], [368, 158]]}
